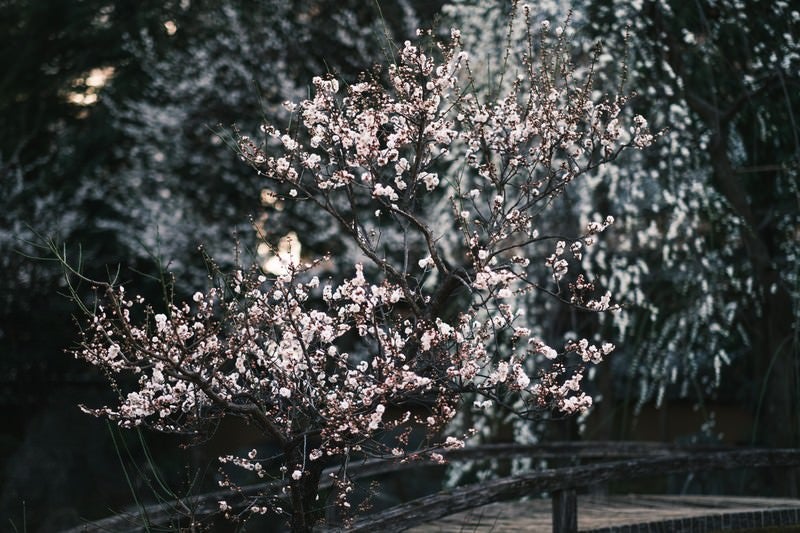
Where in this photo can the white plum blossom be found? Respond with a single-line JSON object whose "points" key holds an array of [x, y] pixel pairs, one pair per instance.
{"points": [[348, 367]]}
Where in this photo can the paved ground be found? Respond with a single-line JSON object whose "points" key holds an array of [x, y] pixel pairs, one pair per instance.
{"points": [[600, 512]]}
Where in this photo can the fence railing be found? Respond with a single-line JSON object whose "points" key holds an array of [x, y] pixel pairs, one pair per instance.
{"points": [[620, 460], [563, 483]]}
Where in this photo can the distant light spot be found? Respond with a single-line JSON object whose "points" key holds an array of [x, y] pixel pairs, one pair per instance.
{"points": [[88, 87]]}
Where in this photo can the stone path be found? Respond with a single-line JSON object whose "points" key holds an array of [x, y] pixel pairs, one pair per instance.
{"points": [[608, 514]]}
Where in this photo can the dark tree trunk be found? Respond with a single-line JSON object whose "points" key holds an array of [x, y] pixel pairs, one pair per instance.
{"points": [[772, 329], [774, 364], [304, 491]]}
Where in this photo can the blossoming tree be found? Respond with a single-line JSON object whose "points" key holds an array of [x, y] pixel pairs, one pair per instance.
{"points": [[335, 366]]}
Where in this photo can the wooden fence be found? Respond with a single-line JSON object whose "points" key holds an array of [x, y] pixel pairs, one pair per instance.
{"points": [[620, 460], [562, 484]]}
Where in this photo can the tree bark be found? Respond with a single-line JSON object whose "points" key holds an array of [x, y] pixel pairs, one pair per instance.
{"points": [[304, 491], [772, 329]]}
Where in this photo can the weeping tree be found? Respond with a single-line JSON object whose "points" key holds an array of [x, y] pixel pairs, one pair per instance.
{"points": [[707, 259]]}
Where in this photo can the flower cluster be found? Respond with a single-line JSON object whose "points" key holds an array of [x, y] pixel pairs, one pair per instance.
{"points": [[257, 348]]}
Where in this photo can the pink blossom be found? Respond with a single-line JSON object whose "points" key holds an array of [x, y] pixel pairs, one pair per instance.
{"points": [[327, 369]]}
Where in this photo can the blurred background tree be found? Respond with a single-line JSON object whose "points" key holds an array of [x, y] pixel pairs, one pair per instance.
{"points": [[707, 248], [724, 77]]}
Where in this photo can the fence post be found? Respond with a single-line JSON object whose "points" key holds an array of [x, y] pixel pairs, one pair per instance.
{"points": [[565, 511]]}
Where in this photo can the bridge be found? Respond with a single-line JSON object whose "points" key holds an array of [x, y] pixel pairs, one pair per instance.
{"points": [[515, 503], [563, 484], [628, 514]]}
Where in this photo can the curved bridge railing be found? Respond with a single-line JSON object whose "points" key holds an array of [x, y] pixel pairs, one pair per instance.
{"points": [[620, 460], [562, 484]]}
